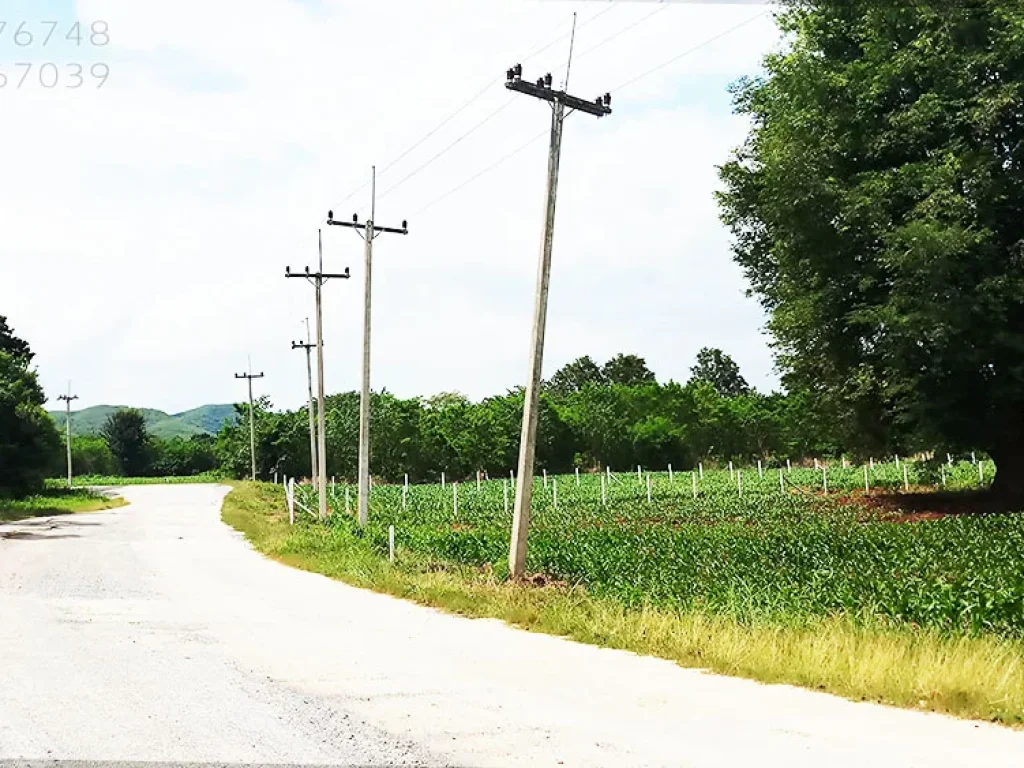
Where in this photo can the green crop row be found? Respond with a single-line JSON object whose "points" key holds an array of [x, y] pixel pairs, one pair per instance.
{"points": [[743, 547]]}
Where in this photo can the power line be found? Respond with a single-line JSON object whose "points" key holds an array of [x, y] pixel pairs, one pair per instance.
{"points": [[444, 151], [476, 176], [688, 51], [619, 88], [465, 105]]}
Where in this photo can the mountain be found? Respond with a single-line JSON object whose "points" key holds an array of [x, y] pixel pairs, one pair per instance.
{"points": [[206, 419]]}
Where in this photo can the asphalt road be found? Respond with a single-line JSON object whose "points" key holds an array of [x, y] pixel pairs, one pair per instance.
{"points": [[154, 633]]}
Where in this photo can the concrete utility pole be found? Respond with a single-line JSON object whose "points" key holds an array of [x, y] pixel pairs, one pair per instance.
{"points": [[67, 426], [368, 232], [317, 279], [252, 418], [309, 346], [528, 440]]}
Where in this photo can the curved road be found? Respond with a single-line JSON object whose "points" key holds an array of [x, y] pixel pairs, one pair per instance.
{"points": [[154, 633]]}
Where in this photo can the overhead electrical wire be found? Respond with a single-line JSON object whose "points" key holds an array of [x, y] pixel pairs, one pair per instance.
{"points": [[619, 88], [465, 105]]}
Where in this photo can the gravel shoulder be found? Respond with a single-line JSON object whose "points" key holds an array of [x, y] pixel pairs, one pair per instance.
{"points": [[154, 633]]}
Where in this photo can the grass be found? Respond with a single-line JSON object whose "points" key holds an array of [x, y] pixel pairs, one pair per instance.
{"points": [[971, 676], [116, 480], [56, 501]]}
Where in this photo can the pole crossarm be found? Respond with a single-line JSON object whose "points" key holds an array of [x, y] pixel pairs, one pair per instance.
{"points": [[248, 375], [302, 345], [322, 276], [360, 228], [542, 89]]}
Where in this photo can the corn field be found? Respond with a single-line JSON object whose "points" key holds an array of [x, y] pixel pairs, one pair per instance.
{"points": [[731, 542]]}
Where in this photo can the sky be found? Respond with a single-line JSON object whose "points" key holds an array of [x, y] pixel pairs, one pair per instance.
{"points": [[145, 225]]}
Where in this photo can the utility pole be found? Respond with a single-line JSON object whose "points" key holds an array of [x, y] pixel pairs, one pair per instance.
{"points": [[368, 232], [528, 441], [67, 426], [252, 418], [309, 346], [317, 279]]}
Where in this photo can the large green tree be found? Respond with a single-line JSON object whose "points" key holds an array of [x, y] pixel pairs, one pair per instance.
{"points": [[878, 211], [720, 371], [29, 445], [630, 370], [127, 437], [572, 377]]}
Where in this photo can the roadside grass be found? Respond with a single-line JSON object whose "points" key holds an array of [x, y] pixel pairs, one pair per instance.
{"points": [[56, 501], [979, 677], [117, 480]]}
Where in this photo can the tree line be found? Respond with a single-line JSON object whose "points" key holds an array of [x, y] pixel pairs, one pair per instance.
{"points": [[591, 416]]}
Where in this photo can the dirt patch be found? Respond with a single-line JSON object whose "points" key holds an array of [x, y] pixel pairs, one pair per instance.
{"points": [[916, 505]]}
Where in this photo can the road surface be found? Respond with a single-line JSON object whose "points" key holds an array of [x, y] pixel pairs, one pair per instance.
{"points": [[154, 633]]}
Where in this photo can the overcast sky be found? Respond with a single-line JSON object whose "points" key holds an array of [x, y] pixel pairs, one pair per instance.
{"points": [[146, 224]]}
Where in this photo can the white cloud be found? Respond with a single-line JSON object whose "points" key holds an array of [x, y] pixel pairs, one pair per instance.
{"points": [[146, 225]]}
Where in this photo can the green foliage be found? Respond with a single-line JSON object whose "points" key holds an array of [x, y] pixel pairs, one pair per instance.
{"points": [[572, 377], [90, 455], [181, 456], [628, 370], [878, 212], [764, 555], [720, 371], [29, 445], [126, 436]]}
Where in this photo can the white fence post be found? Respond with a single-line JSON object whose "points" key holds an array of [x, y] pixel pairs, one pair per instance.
{"points": [[391, 543], [289, 494], [760, 471], [730, 471], [700, 469], [739, 481], [648, 487], [577, 477], [906, 478], [942, 470], [866, 486], [545, 478], [789, 467], [670, 480], [442, 479]]}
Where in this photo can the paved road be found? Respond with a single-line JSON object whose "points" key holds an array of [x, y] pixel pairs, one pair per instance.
{"points": [[153, 633]]}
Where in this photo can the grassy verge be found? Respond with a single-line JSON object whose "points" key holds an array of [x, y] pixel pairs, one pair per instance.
{"points": [[116, 480], [972, 677], [56, 501]]}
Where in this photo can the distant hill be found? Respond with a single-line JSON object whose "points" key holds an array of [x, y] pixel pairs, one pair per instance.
{"points": [[206, 419]]}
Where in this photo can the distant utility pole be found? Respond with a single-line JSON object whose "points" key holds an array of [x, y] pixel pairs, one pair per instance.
{"points": [[317, 279], [67, 426], [528, 441], [368, 232], [252, 419], [309, 346]]}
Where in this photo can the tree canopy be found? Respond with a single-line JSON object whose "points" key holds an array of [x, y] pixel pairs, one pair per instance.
{"points": [[126, 435], [720, 371], [29, 445], [877, 208]]}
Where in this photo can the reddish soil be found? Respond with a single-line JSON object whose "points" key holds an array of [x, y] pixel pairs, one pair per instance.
{"points": [[914, 506]]}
